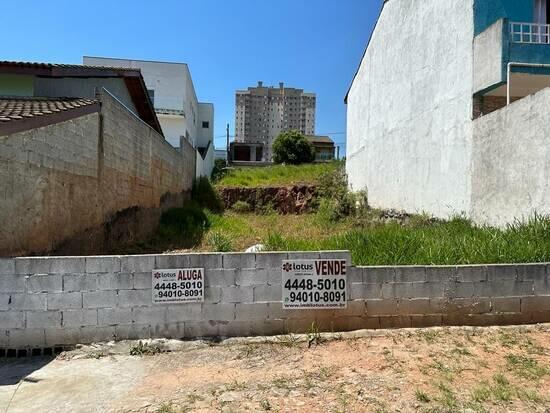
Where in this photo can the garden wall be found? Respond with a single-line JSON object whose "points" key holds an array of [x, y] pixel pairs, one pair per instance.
{"points": [[57, 301]]}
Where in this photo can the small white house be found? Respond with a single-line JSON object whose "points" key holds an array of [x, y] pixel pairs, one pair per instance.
{"points": [[180, 114]]}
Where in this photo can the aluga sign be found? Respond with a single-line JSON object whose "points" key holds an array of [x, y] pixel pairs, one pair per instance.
{"points": [[311, 284], [184, 285]]}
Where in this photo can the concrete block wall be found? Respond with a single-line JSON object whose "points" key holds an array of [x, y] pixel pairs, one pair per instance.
{"points": [[56, 301], [60, 184]]}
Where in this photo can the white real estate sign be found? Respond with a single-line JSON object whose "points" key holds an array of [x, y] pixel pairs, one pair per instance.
{"points": [[310, 284], [184, 285]]}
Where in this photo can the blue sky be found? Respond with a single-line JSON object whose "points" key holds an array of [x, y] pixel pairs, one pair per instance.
{"points": [[229, 44]]}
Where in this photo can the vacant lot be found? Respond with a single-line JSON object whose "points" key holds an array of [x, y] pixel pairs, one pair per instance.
{"points": [[427, 370]]}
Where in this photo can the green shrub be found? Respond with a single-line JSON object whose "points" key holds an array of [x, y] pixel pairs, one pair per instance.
{"points": [[241, 207], [187, 223], [335, 201], [293, 148], [205, 195], [220, 170], [219, 242]]}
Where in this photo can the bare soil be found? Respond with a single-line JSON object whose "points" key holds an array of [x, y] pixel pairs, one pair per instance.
{"points": [[417, 370]]}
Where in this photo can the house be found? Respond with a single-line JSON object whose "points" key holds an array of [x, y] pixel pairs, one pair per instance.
{"points": [[447, 113], [324, 148], [84, 165], [173, 95]]}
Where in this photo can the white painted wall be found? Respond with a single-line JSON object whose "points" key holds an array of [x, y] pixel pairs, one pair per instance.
{"points": [[174, 91], [488, 57], [511, 162], [173, 128], [409, 109]]}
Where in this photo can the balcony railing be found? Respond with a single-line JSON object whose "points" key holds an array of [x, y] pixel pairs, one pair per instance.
{"points": [[531, 33]]}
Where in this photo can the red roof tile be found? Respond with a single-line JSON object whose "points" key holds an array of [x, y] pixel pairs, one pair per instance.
{"points": [[18, 114]]}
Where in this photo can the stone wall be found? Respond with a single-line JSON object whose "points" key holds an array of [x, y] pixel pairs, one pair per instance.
{"points": [[80, 185], [56, 301]]}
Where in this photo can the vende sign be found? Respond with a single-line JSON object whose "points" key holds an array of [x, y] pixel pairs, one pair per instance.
{"points": [[184, 285], [311, 284]]}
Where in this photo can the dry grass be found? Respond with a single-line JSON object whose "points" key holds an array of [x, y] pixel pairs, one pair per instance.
{"points": [[430, 371]]}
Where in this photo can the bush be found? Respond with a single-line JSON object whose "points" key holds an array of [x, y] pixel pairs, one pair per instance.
{"points": [[220, 170], [219, 242], [186, 224], [241, 207], [335, 199], [293, 148], [205, 195]]}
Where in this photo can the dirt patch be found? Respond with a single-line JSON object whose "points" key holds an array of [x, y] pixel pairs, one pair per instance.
{"points": [[425, 370], [295, 199]]}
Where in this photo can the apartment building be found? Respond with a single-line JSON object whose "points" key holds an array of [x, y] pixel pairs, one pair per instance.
{"points": [[262, 113], [449, 114], [173, 95]]}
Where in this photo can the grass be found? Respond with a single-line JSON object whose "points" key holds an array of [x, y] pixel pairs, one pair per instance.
{"points": [[418, 242], [144, 349], [526, 367], [372, 237], [276, 175]]}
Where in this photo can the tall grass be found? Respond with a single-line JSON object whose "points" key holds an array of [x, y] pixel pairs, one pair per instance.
{"points": [[443, 243], [276, 175]]}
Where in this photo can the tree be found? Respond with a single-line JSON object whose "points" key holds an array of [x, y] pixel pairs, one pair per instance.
{"points": [[292, 147]]}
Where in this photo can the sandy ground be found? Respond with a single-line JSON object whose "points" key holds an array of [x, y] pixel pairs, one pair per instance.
{"points": [[425, 370]]}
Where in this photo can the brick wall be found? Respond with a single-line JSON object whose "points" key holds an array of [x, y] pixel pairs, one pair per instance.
{"points": [[484, 105], [64, 187], [45, 302]]}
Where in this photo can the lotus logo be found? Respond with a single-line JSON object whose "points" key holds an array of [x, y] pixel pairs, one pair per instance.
{"points": [[157, 275], [287, 267]]}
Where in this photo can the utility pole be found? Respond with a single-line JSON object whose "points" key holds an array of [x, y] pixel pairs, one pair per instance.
{"points": [[227, 147], [338, 152]]}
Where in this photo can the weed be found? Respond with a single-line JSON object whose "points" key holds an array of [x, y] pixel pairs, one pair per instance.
{"points": [[508, 339], [96, 355], [205, 195], [481, 393], [288, 340], [284, 383], [430, 336], [392, 360], [241, 207], [193, 398], [446, 371], [502, 391], [526, 367], [144, 349], [168, 407], [421, 396], [313, 335], [235, 386], [219, 242], [184, 226], [448, 398], [266, 405]]}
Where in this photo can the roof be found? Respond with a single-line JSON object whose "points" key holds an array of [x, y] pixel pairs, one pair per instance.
{"points": [[365, 51], [131, 76], [19, 114], [63, 70], [320, 139]]}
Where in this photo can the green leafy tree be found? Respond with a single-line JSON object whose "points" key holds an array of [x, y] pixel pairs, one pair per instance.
{"points": [[293, 148]]}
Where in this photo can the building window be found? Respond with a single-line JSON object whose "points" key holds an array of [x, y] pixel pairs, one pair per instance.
{"points": [[151, 93], [206, 125]]}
